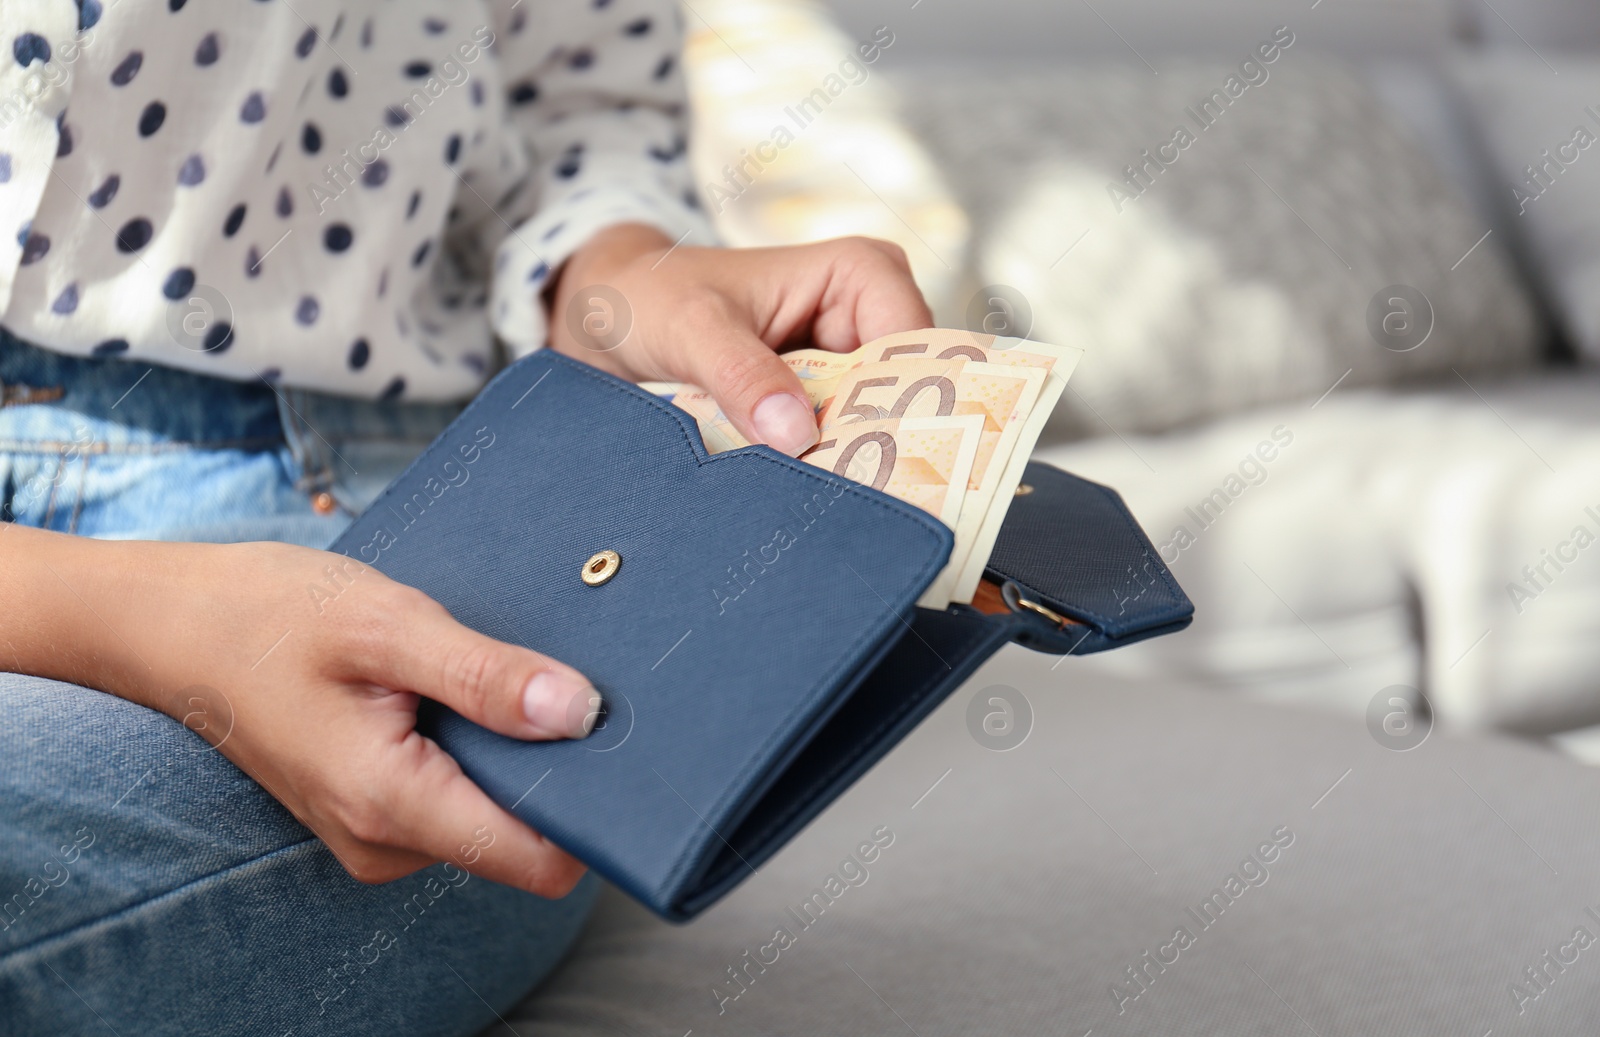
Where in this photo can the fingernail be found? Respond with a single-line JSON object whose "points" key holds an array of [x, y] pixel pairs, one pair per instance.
{"points": [[785, 422], [560, 704]]}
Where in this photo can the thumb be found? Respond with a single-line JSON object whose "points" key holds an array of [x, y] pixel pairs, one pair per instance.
{"points": [[506, 688], [756, 390]]}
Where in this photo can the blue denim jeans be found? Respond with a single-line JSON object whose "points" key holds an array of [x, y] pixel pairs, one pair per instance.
{"points": [[147, 886]]}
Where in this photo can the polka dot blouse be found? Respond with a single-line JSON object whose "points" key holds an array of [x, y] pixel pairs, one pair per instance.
{"points": [[353, 197]]}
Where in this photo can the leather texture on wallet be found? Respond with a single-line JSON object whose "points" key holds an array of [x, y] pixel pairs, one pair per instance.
{"points": [[759, 646], [754, 592]]}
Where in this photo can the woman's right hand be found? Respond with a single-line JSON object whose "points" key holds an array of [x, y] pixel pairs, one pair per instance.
{"points": [[305, 669]]}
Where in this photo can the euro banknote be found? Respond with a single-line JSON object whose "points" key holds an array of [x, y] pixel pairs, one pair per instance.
{"points": [[872, 403]]}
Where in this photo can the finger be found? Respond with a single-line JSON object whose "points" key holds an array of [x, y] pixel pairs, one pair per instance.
{"points": [[506, 688], [434, 809], [756, 390], [373, 864], [871, 293], [365, 861]]}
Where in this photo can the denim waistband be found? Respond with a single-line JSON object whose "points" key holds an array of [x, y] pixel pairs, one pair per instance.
{"points": [[142, 405], [134, 404], [52, 403]]}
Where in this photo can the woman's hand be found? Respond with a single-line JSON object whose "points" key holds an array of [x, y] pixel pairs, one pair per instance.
{"points": [[715, 317], [304, 668]]}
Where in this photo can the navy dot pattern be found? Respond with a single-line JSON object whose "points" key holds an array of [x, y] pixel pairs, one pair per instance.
{"points": [[334, 194]]}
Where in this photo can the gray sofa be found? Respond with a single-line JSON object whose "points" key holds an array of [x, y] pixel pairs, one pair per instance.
{"points": [[1027, 891], [1157, 857], [1411, 535]]}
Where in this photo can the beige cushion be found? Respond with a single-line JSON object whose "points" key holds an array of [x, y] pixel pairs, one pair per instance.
{"points": [[775, 85]]}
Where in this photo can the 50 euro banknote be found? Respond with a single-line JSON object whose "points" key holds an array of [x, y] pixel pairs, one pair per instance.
{"points": [[1001, 398], [1009, 386]]}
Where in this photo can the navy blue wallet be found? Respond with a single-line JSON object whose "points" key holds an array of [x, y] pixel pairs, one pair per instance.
{"points": [[757, 644]]}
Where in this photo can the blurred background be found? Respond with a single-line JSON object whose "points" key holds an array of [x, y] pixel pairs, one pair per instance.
{"points": [[1336, 269]]}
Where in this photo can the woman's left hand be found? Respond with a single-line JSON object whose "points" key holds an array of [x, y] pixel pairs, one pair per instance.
{"points": [[715, 317]]}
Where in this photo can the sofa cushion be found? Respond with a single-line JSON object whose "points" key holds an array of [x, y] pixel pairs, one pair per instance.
{"points": [[1429, 538], [812, 146], [1300, 239], [1023, 890]]}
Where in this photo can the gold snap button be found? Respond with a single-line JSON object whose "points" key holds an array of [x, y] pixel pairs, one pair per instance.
{"points": [[1023, 489], [323, 503], [601, 566]]}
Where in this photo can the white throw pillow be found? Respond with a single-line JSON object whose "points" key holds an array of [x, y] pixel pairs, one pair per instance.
{"points": [[1446, 539]]}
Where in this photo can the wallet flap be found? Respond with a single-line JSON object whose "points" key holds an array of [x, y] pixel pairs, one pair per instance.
{"points": [[753, 591], [1073, 546]]}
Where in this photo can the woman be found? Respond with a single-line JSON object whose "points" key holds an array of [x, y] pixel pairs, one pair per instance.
{"points": [[254, 258]]}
